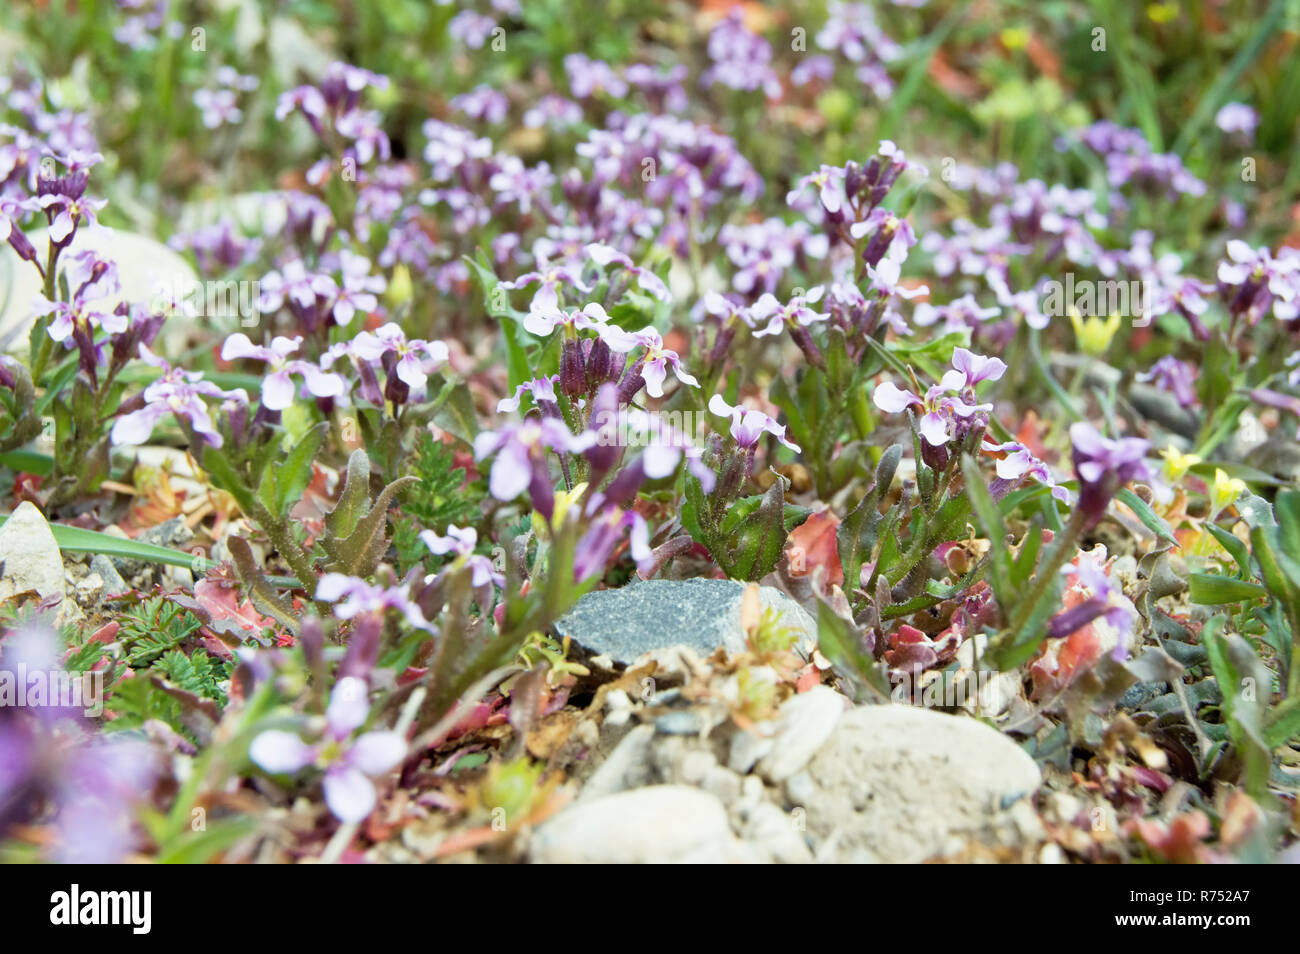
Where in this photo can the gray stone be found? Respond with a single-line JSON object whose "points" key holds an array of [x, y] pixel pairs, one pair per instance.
{"points": [[624, 768], [803, 725], [900, 784], [799, 787], [113, 582], [777, 835], [171, 533], [30, 557], [659, 824], [699, 614], [680, 723]]}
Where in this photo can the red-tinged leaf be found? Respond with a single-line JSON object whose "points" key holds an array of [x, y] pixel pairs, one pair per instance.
{"points": [[217, 603], [813, 544], [809, 677], [106, 633]]}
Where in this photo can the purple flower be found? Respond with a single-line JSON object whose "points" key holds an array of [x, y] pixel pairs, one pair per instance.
{"points": [[278, 391], [1238, 119], [890, 236], [365, 128], [543, 319], [69, 317], [482, 103], [1253, 279], [748, 425], [741, 59], [943, 413], [515, 182], [957, 315], [415, 359], [604, 255], [295, 283], [1018, 462], [450, 147], [359, 287], [360, 597], [813, 68], [550, 278], [970, 369], [349, 763], [542, 391], [885, 277], [948, 407], [1176, 377], [1104, 466], [461, 543], [177, 392], [103, 782], [606, 531], [852, 31], [521, 451], [588, 76], [795, 313], [828, 184], [553, 111], [67, 214], [657, 362], [218, 107], [1103, 599], [471, 28]]}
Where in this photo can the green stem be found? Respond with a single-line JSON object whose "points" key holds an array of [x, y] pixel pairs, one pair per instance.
{"points": [[1063, 547]]}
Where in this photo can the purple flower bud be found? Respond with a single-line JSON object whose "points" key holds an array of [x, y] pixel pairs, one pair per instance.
{"points": [[631, 382], [26, 251], [600, 363], [573, 376], [1104, 467], [604, 421]]}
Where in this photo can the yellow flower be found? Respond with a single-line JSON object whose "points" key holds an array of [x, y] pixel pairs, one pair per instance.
{"points": [[564, 499], [1224, 491], [401, 289], [1162, 12], [1015, 38], [1178, 464], [1093, 334]]}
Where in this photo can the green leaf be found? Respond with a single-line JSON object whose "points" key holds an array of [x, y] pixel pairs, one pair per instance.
{"points": [[360, 551], [839, 643], [220, 472], [1150, 519], [991, 525], [856, 537], [1211, 590], [28, 462], [457, 416], [294, 474], [761, 536], [1234, 545], [1246, 685], [1283, 723], [517, 366], [354, 501], [199, 847]]}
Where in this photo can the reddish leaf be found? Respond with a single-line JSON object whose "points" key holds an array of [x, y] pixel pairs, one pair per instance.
{"points": [[812, 544]]}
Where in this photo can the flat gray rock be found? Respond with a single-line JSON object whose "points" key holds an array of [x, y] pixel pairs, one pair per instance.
{"points": [[703, 615], [900, 784], [659, 824], [29, 555]]}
